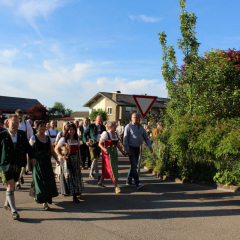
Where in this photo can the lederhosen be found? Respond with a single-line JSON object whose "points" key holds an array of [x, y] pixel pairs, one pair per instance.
{"points": [[95, 150], [14, 170]]}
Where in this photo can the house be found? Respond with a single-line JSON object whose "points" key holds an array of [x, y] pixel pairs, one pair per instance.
{"points": [[8, 105], [79, 115], [120, 106], [74, 116]]}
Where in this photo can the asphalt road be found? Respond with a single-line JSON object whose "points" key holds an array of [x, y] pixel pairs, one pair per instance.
{"points": [[161, 210]]}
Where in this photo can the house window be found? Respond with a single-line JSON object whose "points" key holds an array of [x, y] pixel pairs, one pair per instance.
{"points": [[109, 110], [129, 109]]}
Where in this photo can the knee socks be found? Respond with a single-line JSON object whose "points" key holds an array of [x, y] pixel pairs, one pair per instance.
{"points": [[11, 200], [94, 167]]}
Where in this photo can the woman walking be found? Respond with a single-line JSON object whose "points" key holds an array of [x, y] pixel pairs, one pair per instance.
{"points": [[44, 187], [70, 176], [109, 142]]}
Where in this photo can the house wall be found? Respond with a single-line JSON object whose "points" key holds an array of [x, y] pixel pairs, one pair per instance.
{"points": [[100, 104], [114, 115]]}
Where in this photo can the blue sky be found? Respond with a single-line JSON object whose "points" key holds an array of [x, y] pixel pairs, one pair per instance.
{"points": [[68, 50]]}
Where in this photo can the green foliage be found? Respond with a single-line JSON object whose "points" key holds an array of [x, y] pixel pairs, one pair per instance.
{"points": [[203, 116], [59, 111], [95, 113]]}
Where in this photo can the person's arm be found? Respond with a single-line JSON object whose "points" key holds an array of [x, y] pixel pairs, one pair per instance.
{"points": [[104, 137], [53, 153], [101, 145], [125, 140], [58, 148], [30, 152], [29, 130], [86, 135], [120, 147]]}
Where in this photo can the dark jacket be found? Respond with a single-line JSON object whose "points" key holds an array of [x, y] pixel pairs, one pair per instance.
{"points": [[7, 149], [91, 132]]}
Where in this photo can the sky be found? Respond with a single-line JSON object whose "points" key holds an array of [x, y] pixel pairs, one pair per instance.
{"points": [[69, 50]]}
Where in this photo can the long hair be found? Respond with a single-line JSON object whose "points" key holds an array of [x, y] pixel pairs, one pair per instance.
{"points": [[66, 134]]}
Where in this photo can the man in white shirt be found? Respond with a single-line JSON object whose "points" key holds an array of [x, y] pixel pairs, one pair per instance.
{"points": [[120, 130], [52, 132], [26, 127]]}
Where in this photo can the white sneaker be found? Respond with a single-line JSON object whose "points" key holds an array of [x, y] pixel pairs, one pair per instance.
{"points": [[101, 185], [117, 190]]}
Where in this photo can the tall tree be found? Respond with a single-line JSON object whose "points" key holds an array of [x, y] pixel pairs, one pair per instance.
{"points": [[59, 111]]}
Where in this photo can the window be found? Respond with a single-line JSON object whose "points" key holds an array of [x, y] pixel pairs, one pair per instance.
{"points": [[129, 109], [109, 110]]}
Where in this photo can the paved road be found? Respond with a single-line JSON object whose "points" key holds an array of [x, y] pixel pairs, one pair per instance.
{"points": [[161, 210]]}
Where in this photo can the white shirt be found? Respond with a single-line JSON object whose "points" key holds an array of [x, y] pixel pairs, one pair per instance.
{"points": [[120, 129], [104, 136], [13, 137], [62, 141], [32, 140], [26, 127], [52, 132]]}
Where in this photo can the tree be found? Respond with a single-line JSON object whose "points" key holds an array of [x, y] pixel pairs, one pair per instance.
{"points": [[59, 111], [203, 115], [95, 113], [38, 112]]}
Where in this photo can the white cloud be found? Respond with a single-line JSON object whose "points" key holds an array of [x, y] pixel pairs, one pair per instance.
{"points": [[72, 85], [31, 10], [144, 18], [8, 55], [140, 86]]}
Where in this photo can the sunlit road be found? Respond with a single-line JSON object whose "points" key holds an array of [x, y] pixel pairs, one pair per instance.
{"points": [[161, 210]]}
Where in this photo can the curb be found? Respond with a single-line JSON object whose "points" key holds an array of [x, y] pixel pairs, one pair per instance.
{"points": [[217, 186]]}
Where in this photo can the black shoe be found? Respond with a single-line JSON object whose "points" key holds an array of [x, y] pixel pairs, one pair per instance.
{"points": [[18, 186], [26, 173], [22, 180], [15, 216], [6, 207], [75, 199], [98, 179], [46, 207]]}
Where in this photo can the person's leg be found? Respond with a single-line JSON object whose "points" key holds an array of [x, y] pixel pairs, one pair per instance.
{"points": [[83, 154], [133, 168], [20, 180], [11, 199], [88, 156]]}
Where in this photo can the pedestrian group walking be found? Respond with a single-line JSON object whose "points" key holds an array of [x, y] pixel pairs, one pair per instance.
{"points": [[22, 147]]}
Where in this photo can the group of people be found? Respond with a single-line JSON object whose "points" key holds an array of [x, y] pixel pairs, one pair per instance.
{"points": [[21, 146]]}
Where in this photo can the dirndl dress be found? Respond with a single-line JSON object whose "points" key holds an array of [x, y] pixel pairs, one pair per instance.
{"points": [[110, 160], [70, 174]]}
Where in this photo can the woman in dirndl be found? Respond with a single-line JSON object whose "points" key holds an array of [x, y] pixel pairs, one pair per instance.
{"points": [[109, 142], [43, 187], [70, 175]]}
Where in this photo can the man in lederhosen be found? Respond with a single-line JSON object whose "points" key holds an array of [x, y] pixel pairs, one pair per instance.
{"points": [[14, 146], [92, 136], [52, 132]]}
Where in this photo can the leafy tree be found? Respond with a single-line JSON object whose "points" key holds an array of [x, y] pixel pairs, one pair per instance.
{"points": [[38, 112], [203, 115], [95, 113], [59, 111]]}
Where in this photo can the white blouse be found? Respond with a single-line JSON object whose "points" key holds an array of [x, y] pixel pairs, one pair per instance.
{"points": [[32, 140], [104, 136], [62, 141]]}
